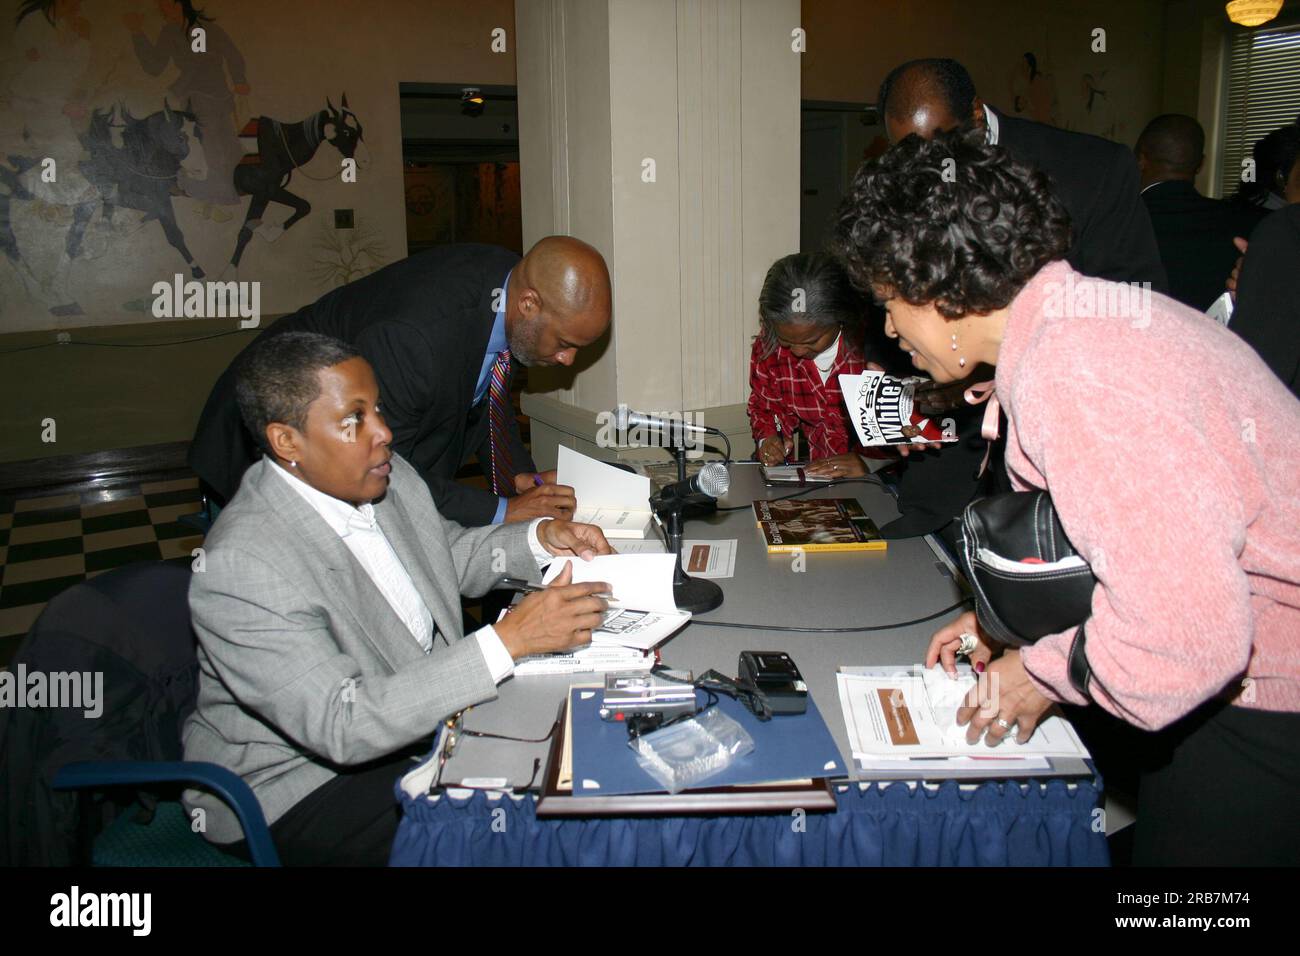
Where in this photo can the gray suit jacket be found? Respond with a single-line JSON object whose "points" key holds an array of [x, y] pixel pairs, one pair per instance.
{"points": [[304, 667]]}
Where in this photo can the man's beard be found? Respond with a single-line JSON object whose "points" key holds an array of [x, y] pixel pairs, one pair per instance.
{"points": [[523, 344]]}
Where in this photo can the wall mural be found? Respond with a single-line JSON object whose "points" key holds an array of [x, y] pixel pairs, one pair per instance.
{"points": [[1088, 108], [87, 175]]}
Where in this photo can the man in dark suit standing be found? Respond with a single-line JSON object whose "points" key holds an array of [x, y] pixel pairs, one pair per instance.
{"points": [[1268, 295], [1096, 180], [444, 330], [1194, 232]]}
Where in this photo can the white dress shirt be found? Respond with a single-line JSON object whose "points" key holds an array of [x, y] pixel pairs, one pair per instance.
{"points": [[991, 124], [366, 540]]}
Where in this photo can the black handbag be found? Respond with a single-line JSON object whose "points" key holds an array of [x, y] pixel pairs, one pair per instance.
{"points": [[1017, 602]]}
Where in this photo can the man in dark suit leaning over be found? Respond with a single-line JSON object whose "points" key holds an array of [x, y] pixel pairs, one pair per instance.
{"points": [[443, 330], [1194, 232], [1095, 179]]}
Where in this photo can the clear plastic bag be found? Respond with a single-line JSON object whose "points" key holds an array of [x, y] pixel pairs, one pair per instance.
{"points": [[684, 755]]}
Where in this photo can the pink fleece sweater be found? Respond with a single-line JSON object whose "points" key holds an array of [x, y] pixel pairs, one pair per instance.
{"points": [[1172, 455]]}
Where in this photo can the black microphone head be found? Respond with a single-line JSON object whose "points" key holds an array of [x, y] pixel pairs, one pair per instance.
{"points": [[715, 479]]}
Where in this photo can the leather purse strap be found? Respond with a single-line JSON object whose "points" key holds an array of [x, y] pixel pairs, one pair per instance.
{"points": [[1077, 663]]}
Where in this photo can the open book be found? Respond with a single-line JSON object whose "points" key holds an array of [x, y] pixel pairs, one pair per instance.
{"points": [[616, 501], [643, 611], [909, 713]]}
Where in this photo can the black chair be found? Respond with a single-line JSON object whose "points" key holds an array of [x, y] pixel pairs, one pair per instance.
{"points": [[130, 627]]}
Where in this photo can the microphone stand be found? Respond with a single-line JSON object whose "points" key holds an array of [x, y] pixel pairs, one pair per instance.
{"points": [[696, 595]]}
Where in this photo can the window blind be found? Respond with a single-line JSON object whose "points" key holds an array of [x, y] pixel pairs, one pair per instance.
{"points": [[1263, 94]]}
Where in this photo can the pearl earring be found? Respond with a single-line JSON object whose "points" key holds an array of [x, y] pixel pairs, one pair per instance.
{"points": [[954, 341], [293, 464], [961, 361]]}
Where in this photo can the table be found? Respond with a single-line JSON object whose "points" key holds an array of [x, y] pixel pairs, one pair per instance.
{"points": [[895, 824]]}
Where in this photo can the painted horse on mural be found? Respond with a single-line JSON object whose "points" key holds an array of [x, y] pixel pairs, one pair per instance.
{"points": [[134, 164], [282, 148]]}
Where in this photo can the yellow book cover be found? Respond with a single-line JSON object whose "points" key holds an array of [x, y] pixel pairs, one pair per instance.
{"points": [[821, 524]]}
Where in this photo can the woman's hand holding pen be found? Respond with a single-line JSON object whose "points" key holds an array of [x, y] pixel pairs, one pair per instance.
{"points": [[555, 619], [774, 449]]}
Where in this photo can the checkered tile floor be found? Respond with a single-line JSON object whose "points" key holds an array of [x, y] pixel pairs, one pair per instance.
{"points": [[52, 542]]}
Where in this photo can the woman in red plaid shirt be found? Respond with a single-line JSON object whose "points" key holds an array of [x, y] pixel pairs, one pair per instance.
{"points": [[811, 324]]}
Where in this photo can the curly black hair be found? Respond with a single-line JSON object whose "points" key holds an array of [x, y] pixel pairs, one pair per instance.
{"points": [[951, 221]]}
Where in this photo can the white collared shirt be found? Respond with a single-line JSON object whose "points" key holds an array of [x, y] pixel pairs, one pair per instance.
{"points": [[991, 125], [366, 540], [827, 359]]}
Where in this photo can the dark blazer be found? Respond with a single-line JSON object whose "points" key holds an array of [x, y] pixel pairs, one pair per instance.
{"points": [[424, 324], [1268, 295], [1195, 236], [1097, 182]]}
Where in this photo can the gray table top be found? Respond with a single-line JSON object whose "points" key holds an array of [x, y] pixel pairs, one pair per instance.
{"points": [[837, 589]]}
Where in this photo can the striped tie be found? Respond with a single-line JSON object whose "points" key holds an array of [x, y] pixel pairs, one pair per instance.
{"points": [[499, 412]]}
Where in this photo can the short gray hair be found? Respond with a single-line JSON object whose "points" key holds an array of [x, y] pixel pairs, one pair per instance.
{"points": [[276, 378]]}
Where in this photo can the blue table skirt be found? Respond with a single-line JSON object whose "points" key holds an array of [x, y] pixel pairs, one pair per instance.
{"points": [[997, 824]]}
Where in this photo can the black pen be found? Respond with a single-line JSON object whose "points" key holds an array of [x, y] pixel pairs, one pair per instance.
{"points": [[519, 584]]}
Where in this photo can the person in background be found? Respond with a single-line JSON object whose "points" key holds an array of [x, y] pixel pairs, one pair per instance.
{"points": [[1133, 417], [1194, 232], [1268, 295], [1276, 179], [328, 618], [810, 332], [1096, 180], [1274, 185]]}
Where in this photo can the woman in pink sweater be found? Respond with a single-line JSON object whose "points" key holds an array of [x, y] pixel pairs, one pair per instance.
{"points": [[1172, 456]]}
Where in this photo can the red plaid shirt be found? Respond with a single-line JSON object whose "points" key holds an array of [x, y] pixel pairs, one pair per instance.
{"points": [[789, 388]]}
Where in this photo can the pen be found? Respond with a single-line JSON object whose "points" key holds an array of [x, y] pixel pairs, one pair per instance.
{"points": [[537, 481], [524, 587], [519, 584], [785, 455]]}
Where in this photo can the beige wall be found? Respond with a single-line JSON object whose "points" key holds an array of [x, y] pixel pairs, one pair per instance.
{"points": [[296, 53]]}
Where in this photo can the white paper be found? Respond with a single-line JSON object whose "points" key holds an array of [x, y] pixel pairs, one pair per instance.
{"points": [[592, 659], [907, 712], [709, 559], [641, 581], [628, 628], [645, 546], [712, 558], [643, 611], [617, 501], [1221, 309]]}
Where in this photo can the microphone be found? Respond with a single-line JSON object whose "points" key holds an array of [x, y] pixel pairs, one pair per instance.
{"points": [[625, 418], [712, 482]]}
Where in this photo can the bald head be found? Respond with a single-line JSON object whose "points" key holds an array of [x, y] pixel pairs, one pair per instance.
{"points": [[1171, 147], [558, 301], [922, 96]]}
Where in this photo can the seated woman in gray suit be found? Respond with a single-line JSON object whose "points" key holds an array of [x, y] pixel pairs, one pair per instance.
{"points": [[328, 616]]}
